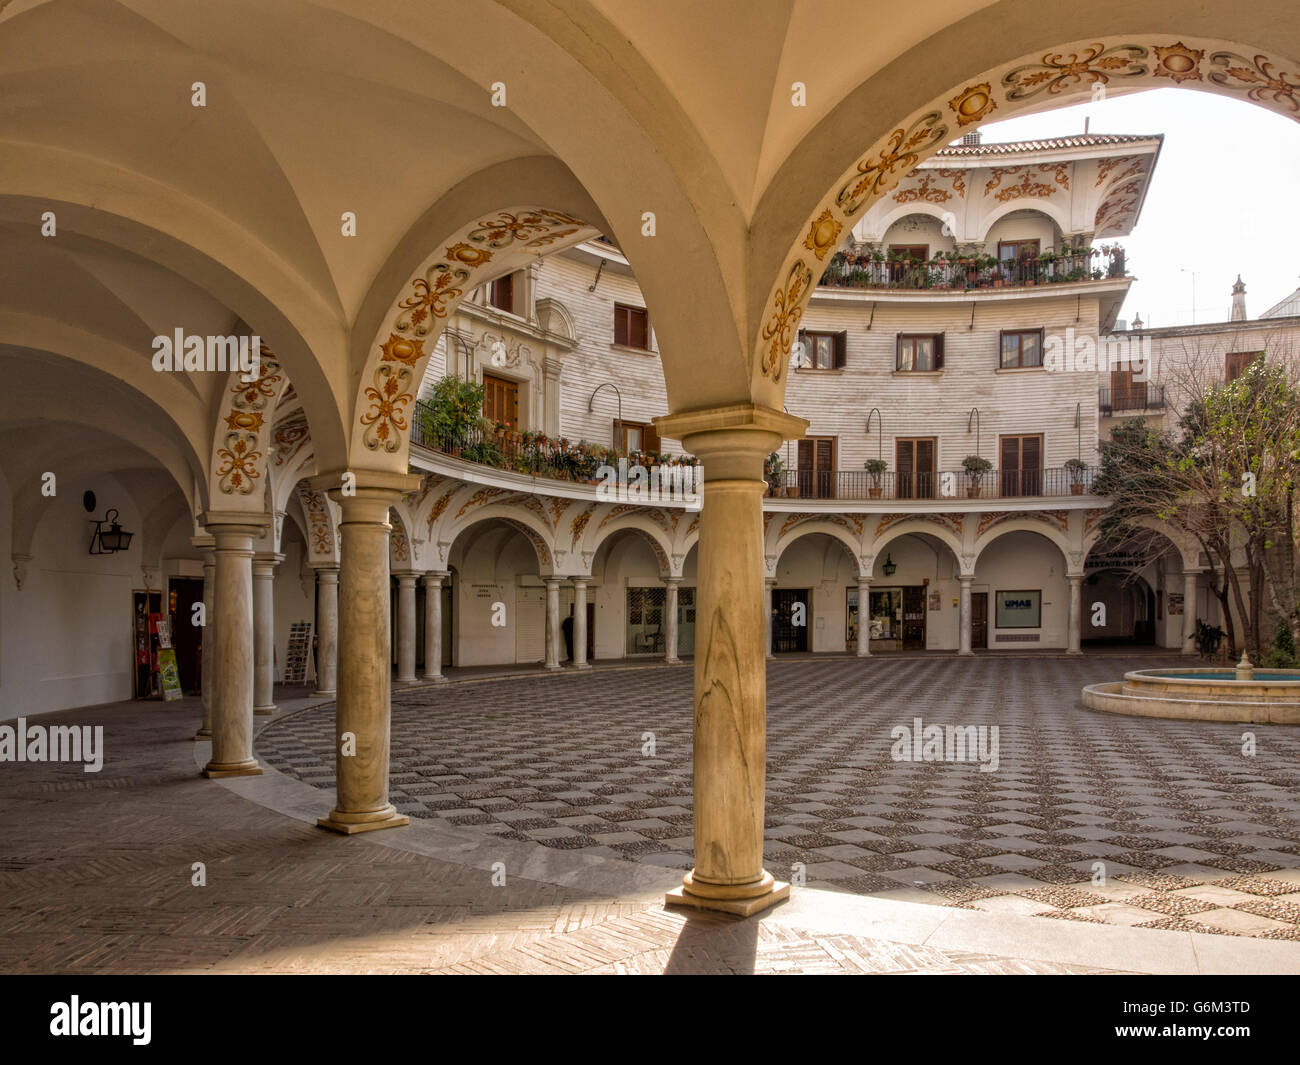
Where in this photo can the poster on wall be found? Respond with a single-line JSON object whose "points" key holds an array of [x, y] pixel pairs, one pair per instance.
{"points": [[1019, 610], [1175, 602]]}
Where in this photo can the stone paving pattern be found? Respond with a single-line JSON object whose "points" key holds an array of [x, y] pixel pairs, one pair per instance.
{"points": [[1194, 835], [96, 878]]}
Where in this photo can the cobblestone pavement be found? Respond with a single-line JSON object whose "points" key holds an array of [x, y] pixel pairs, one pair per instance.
{"points": [[1193, 834], [96, 877]]}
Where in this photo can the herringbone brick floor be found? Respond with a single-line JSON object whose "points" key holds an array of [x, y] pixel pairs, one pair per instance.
{"points": [[1191, 833]]}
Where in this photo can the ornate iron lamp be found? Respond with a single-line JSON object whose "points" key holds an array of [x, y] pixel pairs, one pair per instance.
{"points": [[108, 541]]}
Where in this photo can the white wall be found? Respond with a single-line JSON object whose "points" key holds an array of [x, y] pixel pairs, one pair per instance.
{"points": [[66, 637], [1019, 561]]}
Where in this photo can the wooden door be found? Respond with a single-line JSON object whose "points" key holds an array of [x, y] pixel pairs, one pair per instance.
{"points": [[501, 400], [979, 620], [817, 467], [1022, 465], [914, 463], [1126, 393]]}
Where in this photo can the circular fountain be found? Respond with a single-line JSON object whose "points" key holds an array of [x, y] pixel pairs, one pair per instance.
{"points": [[1244, 694]]}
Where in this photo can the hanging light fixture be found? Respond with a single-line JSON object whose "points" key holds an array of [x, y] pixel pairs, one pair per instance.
{"points": [[108, 541], [890, 567]]}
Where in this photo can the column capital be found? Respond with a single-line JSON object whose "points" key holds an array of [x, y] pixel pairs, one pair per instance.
{"points": [[671, 580], [435, 577], [1075, 576], [326, 569], [728, 439], [965, 578], [865, 578], [1193, 571], [248, 523], [407, 575], [554, 579], [267, 558], [203, 542], [368, 480]]}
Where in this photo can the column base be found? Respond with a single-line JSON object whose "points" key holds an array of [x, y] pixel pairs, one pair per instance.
{"points": [[331, 694], [864, 654], [1073, 651], [965, 654], [580, 665], [203, 734], [672, 661], [439, 679], [220, 770], [350, 824], [736, 899], [264, 711], [405, 682], [553, 668]]}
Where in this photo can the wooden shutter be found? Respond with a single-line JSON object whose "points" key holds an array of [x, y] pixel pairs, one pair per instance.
{"points": [[802, 338], [1011, 453], [841, 350], [502, 293], [938, 352], [638, 329], [650, 438], [924, 469], [1031, 452], [618, 435], [905, 456], [622, 316]]}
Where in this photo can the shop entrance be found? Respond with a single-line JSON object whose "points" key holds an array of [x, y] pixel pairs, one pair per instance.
{"points": [[979, 621], [897, 618]]}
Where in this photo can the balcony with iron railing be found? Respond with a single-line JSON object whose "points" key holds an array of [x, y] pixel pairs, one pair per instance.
{"points": [[1136, 397], [950, 271], [1057, 482]]}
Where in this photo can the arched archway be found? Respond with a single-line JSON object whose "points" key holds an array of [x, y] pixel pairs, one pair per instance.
{"points": [[1022, 570], [812, 590]]}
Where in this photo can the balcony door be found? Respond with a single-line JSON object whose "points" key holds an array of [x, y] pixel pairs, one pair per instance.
{"points": [[914, 463], [1126, 393], [501, 400], [1022, 465], [817, 467]]}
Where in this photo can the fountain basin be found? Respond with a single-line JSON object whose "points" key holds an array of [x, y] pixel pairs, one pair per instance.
{"points": [[1271, 697]]}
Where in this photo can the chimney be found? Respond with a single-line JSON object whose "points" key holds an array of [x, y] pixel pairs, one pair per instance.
{"points": [[972, 139], [1238, 301]]}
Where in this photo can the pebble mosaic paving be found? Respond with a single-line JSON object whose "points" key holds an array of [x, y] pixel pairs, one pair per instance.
{"points": [[1192, 833]]}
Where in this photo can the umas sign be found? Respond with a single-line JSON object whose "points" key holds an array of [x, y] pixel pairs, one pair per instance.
{"points": [[672, 483]]}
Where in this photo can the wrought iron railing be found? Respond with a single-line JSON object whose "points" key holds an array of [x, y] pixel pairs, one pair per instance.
{"points": [[954, 272], [1056, 482], [1139, 395]]}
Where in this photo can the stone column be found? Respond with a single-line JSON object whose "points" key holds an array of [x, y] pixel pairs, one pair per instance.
{"points": [[327, 630], [364, 707], [1189, 610], [670, 620], [406, 628], [1076, 609], [580, 623], [553, 637], [964, 616], [209, 634], [264, 632], [730, 672], [768, 584], [232, 696], [433, 625], [864, 617]]}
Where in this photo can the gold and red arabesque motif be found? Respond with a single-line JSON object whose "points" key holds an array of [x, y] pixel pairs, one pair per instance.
{"points": [[879, 174], [1055, 72], [779, 331], [1178, 62], [973, 103], [237, 464], [822, 236], [318, 519], [391, 391], [1259, 77], [926, 191]]}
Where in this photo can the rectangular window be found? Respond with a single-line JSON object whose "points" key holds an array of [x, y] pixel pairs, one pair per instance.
{"points": [[821, 351], [635, 436], [501, 400], [1015, 250], [817, 467], [631, 327], [919, 352], [914, 466], [1022, 348], [1235, 363], [1022, 465], [919, 252], [501, 293], [1019, 610]]}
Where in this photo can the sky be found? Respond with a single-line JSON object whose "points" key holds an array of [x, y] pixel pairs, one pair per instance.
{"points": [[1224, 200]]}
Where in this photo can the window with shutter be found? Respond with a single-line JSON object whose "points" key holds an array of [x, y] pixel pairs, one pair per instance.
{"points": [[919, 352], [1022, 461], [1235, 364], [816, 472], [1021, 348], [501, 293], [501, 400], [914, 468], [822, 351], [631, 327]]}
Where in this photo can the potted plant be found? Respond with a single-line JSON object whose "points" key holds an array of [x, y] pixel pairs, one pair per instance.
{"points": [[876, 470], [1076, 469], [975, 467], [773, 468]]}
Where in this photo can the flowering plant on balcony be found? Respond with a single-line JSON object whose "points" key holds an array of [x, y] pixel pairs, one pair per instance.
{"points": [[976, 467]]}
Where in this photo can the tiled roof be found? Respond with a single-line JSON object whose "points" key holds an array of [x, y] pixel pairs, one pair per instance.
{"points": [[1288, 308], [1085, 140]]}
